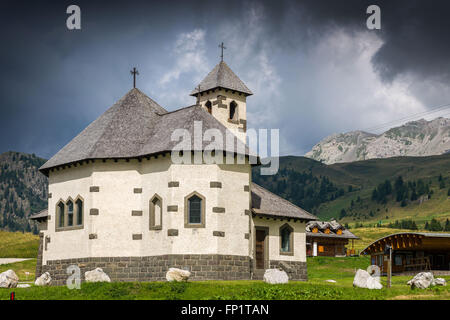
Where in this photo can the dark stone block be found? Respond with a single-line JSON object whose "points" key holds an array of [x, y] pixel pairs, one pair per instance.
{"points": [[172, 208], [173, 184], [94, 189], [215, 184]]}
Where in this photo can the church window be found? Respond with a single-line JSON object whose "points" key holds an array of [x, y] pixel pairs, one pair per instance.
{"points": [[69, 213], [79, 206], [208, 107], [286, 240], [60, 208], [194, 211], [233, 110], [156, 213]]}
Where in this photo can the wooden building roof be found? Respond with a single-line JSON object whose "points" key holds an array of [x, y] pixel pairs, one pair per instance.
{"points": [[410, 241]]}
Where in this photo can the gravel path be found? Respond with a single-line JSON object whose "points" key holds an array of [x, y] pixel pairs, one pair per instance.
{"points": [[12, 260]]}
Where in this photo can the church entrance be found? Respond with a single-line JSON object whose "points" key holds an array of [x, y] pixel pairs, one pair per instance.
{"points": [[260, 248]]}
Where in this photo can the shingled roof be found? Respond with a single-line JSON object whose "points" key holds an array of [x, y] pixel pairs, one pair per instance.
{"points": [[332, 225], [136, 126], [265, 203], [43, 214], [222, 77]]}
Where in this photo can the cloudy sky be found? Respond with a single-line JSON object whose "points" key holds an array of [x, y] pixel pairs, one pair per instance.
{"points": [[314, 67]]}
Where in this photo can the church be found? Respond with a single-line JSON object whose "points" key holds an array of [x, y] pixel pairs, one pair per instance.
{"points": [[117, 200]]}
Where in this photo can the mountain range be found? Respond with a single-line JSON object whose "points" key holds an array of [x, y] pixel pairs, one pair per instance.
{"points": [[415, 138]]}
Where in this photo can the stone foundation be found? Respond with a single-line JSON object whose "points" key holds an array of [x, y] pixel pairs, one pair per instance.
{"points": [[296, 270], [202, 267]]}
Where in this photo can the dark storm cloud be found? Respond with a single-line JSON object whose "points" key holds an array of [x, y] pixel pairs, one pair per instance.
{"points": [[415, 32]]}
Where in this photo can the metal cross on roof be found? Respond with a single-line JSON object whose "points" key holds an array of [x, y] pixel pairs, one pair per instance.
{"points": [[198, 94], [222, 47], [134, 72]]}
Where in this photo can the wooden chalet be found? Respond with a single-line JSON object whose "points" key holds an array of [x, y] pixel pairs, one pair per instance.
{"points": [[412, 251], [328, 239]]}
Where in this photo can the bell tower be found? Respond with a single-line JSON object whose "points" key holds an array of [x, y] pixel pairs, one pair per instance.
{"points": [[224, 96]]}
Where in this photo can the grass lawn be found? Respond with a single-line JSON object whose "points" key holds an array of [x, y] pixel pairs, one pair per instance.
{"points": [[20, 268], [320, 269], [18, 245]]}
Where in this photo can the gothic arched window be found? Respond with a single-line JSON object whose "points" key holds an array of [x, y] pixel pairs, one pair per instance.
{"points": [[156, 213], [60, 214], [70, 213], [194, 211], [79, 206], [233, 110], [286, 240], [208, 106]]}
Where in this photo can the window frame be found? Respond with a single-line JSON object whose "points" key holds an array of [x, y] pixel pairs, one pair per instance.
{"points": [[152, 219], [79, 199], [208, 106], [291, 240], [202, 223], [65, 226], [67, 212], [235, 117], [58, 214]]}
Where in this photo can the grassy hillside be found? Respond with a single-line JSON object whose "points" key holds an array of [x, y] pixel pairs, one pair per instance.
{"points": [[345, 190], [23, 190], [18, 245]]}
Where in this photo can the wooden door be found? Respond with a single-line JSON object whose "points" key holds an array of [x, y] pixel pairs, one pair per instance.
{"points": [[260, 249]]}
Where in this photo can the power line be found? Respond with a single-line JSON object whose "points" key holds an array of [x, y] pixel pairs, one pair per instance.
{"points": [[410, 117]]}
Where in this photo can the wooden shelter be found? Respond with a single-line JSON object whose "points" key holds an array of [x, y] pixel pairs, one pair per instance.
{"points": [[412, 251]]}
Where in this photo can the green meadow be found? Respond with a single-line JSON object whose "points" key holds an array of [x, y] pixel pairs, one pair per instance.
{"points": [[320, 269]]}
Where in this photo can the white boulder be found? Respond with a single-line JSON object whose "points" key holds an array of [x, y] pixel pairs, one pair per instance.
{"points": [[364, 280], [422, 280], [440, 282], [44, 280], [96, 275], [8, 279], [23, 285], [175, 274], [275, 276]]}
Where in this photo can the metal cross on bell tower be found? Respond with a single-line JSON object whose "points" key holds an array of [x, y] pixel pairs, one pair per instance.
{"points": [[134, 72], [198, 95], [222, 47]]}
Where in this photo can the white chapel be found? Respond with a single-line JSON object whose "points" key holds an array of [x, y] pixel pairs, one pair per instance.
{"points": [[117, 200]]}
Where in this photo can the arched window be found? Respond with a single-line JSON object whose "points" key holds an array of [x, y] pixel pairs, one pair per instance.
{"points": [[286, 240], [79, 205], [156, 213], [194, 211], [60, 214], [208, 106], [233, 110], [70, 213]]}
